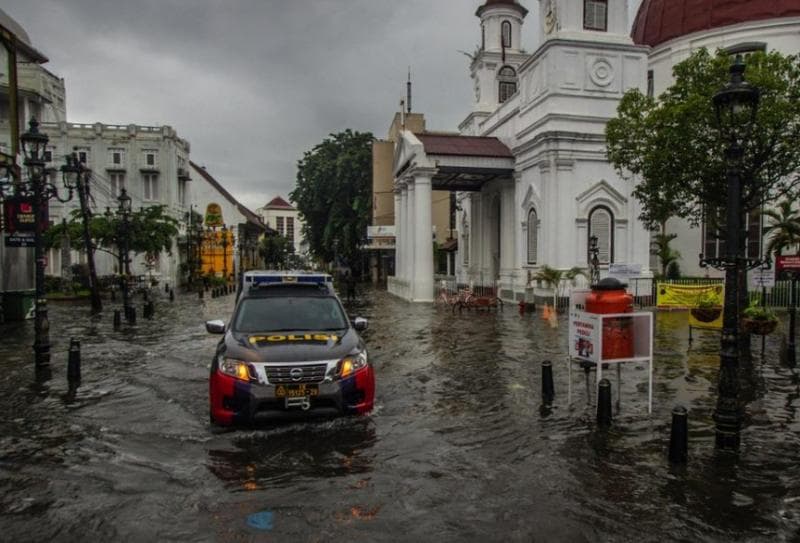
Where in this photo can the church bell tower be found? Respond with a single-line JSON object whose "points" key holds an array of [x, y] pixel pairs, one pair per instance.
{"points": [[495, 65]]}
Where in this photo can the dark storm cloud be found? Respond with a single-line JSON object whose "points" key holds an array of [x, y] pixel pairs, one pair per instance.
{"points": [[253, 84]]}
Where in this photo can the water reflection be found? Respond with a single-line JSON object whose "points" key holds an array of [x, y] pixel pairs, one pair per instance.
{"points": [[290, 453], [456, 448]]}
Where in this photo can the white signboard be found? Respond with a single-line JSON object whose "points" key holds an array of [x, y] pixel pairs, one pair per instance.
{"points": [[762, 278], [584, 336], [624, 272], [385, 231]]}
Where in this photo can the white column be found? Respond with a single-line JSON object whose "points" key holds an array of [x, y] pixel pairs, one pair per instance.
{"points": [[507, 231], [409, 235], [423, 240], [397, 208]]}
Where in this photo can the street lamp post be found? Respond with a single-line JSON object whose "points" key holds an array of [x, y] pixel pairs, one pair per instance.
{"points": [[736, 106], [38, 191], [123, 235], [225, 252], [594, 262]]}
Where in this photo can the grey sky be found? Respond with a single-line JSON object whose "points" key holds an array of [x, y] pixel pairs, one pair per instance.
{"points": [[253, 84]]}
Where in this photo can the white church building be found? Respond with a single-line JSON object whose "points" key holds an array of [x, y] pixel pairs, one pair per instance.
{"points": [[529, 167]]}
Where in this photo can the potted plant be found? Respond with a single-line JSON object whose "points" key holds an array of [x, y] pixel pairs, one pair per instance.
{"points": [[708, 308], [759, 320]]}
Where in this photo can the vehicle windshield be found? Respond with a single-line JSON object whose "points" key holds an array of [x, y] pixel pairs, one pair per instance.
{"points": [[289, 314]]}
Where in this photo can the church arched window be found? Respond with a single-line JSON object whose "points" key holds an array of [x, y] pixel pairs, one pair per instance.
{"points": [[505, 32], [533, 236], [601, 224], [507, 80]]}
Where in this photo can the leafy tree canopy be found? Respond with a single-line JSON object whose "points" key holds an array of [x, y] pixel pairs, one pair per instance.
{"points": [[334, 195], [151, 231], [275, 251], [673, 143]]}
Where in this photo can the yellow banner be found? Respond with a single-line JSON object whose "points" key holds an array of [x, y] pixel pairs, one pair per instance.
{"points": [[689, 297]]}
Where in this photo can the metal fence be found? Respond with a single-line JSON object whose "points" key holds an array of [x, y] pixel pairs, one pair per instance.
{"points": [[642, 289], [645, 295]]}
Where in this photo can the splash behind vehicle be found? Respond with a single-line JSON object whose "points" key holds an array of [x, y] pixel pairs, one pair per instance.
{"points": [[289, 349]]}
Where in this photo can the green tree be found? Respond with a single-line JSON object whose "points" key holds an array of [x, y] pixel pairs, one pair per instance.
{"points": [[672, 143], [783, 229], [334, 195], [150, 229], [275, 250]]}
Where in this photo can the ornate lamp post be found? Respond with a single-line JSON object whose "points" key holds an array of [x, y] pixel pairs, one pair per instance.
{"points": [[594, 261], [736, 106], [224, 242], [124, 210], [37, 191]]}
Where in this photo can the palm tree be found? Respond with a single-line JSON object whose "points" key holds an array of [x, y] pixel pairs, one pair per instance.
{"points": [[784, 228], [555, 278], [659, 247]]}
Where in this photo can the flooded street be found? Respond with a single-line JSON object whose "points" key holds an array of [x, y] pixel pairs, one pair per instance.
{"points": [[457, 448]]}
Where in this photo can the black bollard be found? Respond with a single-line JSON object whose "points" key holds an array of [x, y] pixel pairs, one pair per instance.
{"points": [[145, 295], [149, 310], [166, 287], [117, 319], [113, 295], [679, 436], [200, 294], [548, 389], [132, 316], [604, 403], [171, 295], [74, 362]]}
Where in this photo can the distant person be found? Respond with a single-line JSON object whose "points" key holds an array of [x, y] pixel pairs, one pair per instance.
{"points": [[350, 283]]}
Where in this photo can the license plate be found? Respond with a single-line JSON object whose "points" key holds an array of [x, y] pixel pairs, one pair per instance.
{"points": [[296, 391]]}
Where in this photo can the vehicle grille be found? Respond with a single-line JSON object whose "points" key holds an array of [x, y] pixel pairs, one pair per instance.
{"points": [[314, 373]]}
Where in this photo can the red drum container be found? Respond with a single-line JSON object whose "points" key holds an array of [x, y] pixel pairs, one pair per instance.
{"points": [[609, 296]]}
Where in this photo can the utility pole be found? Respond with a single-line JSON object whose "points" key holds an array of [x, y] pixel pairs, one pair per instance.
{"points": [[79, 177]]}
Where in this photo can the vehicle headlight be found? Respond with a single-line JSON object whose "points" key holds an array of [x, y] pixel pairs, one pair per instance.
{"points": [[235, 368], [351, 364]]}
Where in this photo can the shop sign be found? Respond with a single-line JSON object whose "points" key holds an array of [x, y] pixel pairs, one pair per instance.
{"points": [[787, 264], [20, 215], [20, 239], [214, 215]]}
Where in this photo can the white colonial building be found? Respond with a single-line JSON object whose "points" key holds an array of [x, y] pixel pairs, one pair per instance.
{"points": [[530, 167], [150, 162], [284, 218]]}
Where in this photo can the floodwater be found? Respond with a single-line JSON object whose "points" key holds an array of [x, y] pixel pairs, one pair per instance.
{"points": [[457, 448]]}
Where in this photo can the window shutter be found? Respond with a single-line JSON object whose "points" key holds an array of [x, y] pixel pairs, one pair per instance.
{"points": [[600, 226], [533, 232]]}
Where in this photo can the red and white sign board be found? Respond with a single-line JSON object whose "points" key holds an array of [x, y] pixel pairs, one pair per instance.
{"points": [[787, 263]]}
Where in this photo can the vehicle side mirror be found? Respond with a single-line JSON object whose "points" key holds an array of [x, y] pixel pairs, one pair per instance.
{"points": [[360, 324], [215, 327]]}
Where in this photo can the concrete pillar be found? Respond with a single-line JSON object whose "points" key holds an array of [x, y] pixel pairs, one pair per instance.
{"points": [[397, 207], [423, 240], [507, 231], [409, 235], [400, 235]]}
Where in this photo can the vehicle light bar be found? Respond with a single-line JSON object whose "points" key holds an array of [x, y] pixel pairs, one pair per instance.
{"points": [[256, 278]]}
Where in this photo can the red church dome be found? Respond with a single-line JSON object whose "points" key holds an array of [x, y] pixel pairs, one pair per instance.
{"points": [[659, 21]]}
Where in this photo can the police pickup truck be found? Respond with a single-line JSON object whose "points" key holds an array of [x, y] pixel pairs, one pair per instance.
{"points": [[288, 349]]}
